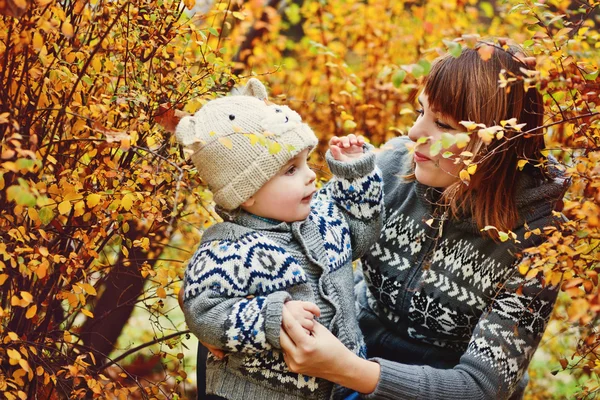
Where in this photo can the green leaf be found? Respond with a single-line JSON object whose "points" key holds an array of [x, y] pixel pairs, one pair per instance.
{"points": [[20, 196], [398, 77], [213, 31], [426, 66], [435, 148], [46, 215], [417, 71], [487, 8], [448, 140]]}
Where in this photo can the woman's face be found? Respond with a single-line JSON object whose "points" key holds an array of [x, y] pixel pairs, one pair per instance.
{"points": [[431, 170]]}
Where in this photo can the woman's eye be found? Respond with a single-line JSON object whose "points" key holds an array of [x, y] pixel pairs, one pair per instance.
{"points": [[441, 125], [419, 113]]}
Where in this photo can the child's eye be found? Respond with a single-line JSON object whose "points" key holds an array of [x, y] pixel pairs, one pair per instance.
{"points": [[291, 170]]}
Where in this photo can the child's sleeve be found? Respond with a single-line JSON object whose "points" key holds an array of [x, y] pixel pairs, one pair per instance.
{"points": [[223, 304], [357, 190]]}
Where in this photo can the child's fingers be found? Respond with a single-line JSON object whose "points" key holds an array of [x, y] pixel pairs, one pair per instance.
{"points": [[336, 152], [352, 139], [334, 141]]}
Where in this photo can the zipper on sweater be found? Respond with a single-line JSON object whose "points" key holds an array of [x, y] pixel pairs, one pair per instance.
{"points": [[436, 234]]}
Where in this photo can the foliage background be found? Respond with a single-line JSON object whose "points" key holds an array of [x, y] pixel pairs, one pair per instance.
{"points": [[100, 211]]}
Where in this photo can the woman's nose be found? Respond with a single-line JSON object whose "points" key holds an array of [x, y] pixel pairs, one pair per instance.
{"points": [[417, 130]]}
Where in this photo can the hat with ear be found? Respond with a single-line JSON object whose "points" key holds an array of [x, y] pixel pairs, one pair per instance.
{"points": [[239, 142]]}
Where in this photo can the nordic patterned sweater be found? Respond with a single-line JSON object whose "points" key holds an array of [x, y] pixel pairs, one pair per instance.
{"points": [[243, 272], [444, 311]]}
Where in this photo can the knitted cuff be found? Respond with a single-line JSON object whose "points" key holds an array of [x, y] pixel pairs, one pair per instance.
{"points": [[396, 381], [355, 168], [273, 311]]}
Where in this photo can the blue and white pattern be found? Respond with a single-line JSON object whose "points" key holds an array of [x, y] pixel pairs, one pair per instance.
{"points": [[334, 231], [246, 332], [360, 197], [251, 265]]}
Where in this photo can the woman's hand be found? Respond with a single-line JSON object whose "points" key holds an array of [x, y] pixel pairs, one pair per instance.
{"points": [[347, 148], [322, 355]]}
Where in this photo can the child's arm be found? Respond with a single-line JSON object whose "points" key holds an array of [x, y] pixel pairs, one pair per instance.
{"points": [[356, 189], [224, 304], [234, 307]]}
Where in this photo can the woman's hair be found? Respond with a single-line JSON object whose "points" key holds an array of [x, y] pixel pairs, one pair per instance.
{"points": [[467, 88]]}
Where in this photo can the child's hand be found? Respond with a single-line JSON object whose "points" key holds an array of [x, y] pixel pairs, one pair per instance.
{"points": [[304, 312], [347, 148]]}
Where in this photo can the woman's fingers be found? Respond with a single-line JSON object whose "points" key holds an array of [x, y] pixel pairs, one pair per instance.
{"points": [[312, 308], [215, 351], [292, 328]]}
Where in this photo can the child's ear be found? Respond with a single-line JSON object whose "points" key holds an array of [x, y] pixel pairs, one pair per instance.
{"points": [[249, 203]]}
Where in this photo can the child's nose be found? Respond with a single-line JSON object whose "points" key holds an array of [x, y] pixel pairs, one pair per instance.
{"points": [[311, 176]]}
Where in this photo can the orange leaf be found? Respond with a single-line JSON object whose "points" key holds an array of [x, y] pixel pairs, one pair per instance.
{"points": [[485, 52], [13, 8], [168, 117]]}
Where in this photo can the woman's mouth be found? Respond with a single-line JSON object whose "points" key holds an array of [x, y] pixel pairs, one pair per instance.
{"points": [[420, 157]]}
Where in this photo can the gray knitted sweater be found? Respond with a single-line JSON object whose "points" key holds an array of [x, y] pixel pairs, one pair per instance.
{"points": [[243, 272], [445, 312]]}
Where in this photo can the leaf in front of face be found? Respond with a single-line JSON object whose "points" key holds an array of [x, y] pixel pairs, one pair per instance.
{"points": [[435, 148], [448, 140], [462, 139]]}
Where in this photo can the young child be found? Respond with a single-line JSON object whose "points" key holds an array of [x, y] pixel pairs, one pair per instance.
{"points": [[277, 247]]}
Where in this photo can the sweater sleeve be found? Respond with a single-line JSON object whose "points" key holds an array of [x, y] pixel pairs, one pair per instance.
{"points": [[496, 358], [223, 307], [357, 190]]}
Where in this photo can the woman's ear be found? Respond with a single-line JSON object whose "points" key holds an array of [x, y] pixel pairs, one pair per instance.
{"points": [[249, 203]]}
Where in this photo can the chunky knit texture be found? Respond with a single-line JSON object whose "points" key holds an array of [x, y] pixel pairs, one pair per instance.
{"points": [[252, 137], [445, 312], [244, 271]]}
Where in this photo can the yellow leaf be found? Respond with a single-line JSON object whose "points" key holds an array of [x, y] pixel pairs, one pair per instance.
{"points": [[3, 278], [160, 292], [225, 141], [93, 199], [521, 163], [27, 297], [274, 148], [189, 4], [96, 65], [239, 15], [13, 336], [87, 313], [31, 312], [127, 201], [464, 176], [67, 29], [38, 41], [67, 336], [64, 207], [471, 169], [89, 289], [13, 355]]}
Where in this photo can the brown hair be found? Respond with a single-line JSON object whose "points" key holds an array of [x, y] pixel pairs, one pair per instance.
{"points": [[467, 88]]}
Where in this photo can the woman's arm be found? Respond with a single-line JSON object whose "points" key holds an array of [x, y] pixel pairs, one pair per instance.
{"points": [[498, 354], [323, 355]]}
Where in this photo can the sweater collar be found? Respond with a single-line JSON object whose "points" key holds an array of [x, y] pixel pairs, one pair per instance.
{"points": [[256, 222]]}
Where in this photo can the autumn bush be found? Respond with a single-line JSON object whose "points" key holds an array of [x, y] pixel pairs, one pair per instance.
{"points": [[100, 209]]}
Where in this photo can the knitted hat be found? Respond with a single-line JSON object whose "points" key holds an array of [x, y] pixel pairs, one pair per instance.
{"points": [[240, 142]]}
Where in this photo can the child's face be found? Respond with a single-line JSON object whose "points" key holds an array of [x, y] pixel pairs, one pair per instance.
{"points": [[435, 171], [286, 197]]}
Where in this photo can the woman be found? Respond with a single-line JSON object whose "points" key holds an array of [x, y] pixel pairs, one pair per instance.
{"points": [[443, 308]]}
